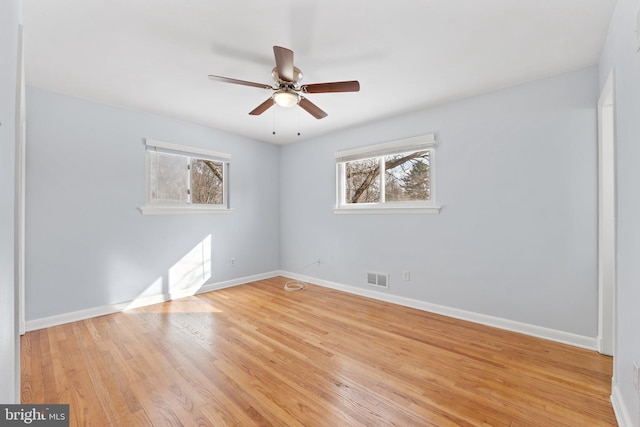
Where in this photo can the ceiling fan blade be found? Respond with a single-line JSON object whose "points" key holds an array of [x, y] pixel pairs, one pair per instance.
{"points": [[284, 63], [239, 82], [350, 86], [311, 108], [262, 107]]}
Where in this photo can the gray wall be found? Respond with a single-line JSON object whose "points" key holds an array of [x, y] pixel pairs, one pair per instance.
{"points": [[516, 174], [9, 344], [620, 55], [87, 244]]}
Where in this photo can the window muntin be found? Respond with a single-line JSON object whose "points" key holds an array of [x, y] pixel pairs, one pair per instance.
{"points": [[393, 175], [183, 177]]}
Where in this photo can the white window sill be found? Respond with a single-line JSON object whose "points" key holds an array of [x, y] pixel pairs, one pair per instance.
{"points": [[184, 210], [424, 210]]}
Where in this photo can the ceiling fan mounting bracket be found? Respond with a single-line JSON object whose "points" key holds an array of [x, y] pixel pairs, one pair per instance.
{"points": [[297, 77]]}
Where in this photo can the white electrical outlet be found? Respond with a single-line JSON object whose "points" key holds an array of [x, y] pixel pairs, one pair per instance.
{"points": [[406, 276], [233, 261], [636, 380]]}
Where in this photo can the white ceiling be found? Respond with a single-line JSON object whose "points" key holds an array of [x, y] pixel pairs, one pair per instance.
{"points": [[155, 55]]}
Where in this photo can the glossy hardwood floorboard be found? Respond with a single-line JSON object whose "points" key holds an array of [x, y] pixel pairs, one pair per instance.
{"points": [[258, 355]]}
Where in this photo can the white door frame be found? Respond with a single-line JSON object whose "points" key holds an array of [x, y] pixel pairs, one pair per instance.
{"points": [[607, 216], [20, 162]]}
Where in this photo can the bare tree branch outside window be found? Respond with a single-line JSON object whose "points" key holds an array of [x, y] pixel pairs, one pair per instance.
{"points": [[172, 178], [407, 177], [206, 182]]}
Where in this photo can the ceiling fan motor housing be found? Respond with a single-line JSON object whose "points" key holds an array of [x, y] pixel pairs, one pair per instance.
{"points": [[297, 77]]}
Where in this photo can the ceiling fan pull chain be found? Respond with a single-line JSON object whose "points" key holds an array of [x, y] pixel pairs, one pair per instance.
{"points": [[273, 116]]}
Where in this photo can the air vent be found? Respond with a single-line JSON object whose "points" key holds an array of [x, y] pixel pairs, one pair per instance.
{"points": [[378, 279]]}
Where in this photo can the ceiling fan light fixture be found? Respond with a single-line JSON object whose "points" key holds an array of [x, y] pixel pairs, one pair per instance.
{"points": [[285, 98]]}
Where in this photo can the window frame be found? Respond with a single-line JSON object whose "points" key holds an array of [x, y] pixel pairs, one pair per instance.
{"points": [[418, 143], [151, 208]]}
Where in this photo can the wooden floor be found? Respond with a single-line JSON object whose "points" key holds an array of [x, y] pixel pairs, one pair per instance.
{"points": [[258, 355]]}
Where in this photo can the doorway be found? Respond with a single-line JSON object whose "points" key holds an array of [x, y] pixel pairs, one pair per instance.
{"points": [[606, 220]]}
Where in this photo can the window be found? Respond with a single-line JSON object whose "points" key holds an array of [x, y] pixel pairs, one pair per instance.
{"points": [[392, 177], [185, 180]]}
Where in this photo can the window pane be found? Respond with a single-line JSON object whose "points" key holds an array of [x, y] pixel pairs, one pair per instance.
{"points": [[407, 177], [168, 180], [206, 182], [362, 181]]}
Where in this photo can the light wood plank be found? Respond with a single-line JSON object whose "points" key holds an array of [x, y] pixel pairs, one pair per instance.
{"points": [[258, 355]]}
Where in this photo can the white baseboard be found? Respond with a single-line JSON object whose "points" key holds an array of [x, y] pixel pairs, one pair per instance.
{"points": [[510, 325], [47, 322], [619, 408]]}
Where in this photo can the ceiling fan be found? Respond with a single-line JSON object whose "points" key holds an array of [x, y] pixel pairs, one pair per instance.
{"points": [[287, 88]]}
